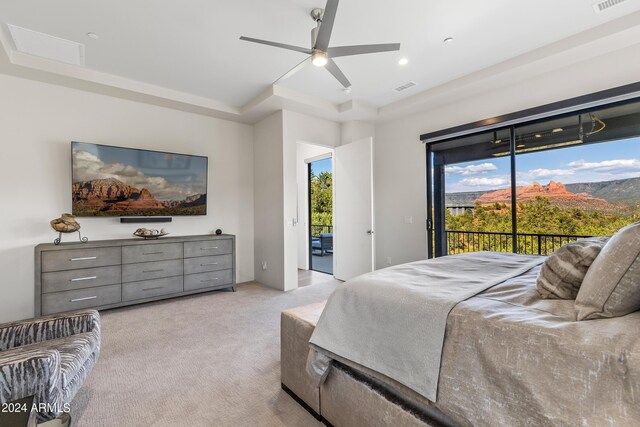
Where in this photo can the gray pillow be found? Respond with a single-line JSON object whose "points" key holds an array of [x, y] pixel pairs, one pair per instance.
{"points": [[563, 271], [611, 287]]}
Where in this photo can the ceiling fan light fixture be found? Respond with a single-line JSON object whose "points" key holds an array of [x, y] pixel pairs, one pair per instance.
{"points": [[319, 59]]}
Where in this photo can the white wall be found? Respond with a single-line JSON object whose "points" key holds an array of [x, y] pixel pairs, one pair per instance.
{"points": [[400, 156], [37, 123], [355, 130], [276, 191], [299, 128], [268, 201], [304, 152]]}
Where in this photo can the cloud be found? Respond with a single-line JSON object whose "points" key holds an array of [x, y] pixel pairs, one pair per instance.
{"points": [[607, 166], [544, 173], [534, 174], [471, 169], [87, 167], [484, 182]]}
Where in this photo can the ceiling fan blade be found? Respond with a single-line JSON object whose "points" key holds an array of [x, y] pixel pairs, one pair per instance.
{"points": [[332, 67], [335, 52], [294, 70], [326, 26], [275, 44]]}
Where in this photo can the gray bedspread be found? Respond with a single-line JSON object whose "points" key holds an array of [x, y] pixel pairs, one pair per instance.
{"points": [[512, 358], [393, 321]]}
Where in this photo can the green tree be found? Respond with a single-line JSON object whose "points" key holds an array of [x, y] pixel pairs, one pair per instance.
{"points": [[538, 216], [322, 199]]}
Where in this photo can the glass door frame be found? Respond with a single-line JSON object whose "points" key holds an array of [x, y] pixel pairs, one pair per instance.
{"points": [[436, 190]]}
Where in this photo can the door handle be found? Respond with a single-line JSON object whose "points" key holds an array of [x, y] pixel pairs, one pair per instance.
{"points": [[369, 231]]}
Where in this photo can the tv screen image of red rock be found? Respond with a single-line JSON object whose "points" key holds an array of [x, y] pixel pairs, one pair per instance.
{"points": [[116, 181]]}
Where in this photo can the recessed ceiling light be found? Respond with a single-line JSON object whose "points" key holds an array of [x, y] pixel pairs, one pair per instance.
{"points": [[93, 36], [403, 61], [556, 130], [448, 40], [538, 135], [347, 90]]}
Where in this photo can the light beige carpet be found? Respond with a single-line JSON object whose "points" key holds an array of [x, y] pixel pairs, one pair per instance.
{"points": [[206, 360]]}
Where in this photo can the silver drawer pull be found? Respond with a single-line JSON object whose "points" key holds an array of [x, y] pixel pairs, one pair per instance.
{"points": [[83, 258], [206, 249], [83, 299], [153, 271], [78, 279], [209, 263], [153, 289], [209, 280], [152, 253]]}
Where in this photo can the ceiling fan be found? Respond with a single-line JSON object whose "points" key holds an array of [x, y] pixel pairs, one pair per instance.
{"points": [[321, 55]]}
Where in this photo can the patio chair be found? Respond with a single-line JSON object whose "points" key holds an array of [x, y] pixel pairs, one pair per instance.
{"points": [[322, 243]]}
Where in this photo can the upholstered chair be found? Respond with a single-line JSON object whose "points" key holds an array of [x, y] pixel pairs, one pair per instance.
{"points": [[48, 358]]}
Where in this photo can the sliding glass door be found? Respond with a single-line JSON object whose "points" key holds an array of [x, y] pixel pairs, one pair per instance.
{"points": [[533, 187], [465, 170], [577, 176]]}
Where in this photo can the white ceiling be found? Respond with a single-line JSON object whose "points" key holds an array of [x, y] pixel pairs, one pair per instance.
{"points": [[192, 46]]}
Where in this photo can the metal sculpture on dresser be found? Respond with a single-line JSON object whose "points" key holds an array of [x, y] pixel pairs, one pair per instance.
{"points": [[66, 224]]}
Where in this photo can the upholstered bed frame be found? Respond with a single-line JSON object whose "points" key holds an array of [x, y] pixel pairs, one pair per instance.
{"points": [[347, 397]]}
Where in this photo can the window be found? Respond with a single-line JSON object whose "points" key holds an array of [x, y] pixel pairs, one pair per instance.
{"points": [[533, 187]]}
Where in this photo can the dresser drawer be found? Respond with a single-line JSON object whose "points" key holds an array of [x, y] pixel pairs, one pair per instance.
{"points": [[208, 280], [79, 279], [80, 298], [151, 270], [151, 252], [151, 288], [207, 263], [80, 258], [208, 247]]}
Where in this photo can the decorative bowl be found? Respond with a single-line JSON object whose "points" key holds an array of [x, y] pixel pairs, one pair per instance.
{"points": [[148, 234]]}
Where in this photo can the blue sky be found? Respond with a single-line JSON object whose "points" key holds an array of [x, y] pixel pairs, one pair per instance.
{"points": [[588, 163], [321, 166]]}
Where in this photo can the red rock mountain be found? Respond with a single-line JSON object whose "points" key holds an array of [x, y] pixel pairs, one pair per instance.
{"points": [[112, 194], [555, 191]]}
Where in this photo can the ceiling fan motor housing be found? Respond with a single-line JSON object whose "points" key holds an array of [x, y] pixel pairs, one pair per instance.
{"points": [[314, 36]]}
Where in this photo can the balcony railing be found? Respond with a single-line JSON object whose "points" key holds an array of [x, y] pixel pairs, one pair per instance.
{"points": [[317, 229], [540, 244]]}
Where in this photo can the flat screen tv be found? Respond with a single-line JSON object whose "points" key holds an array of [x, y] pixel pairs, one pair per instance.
{"points": [[116, 181]]}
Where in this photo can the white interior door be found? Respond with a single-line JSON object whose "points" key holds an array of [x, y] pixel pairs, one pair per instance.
{"points": [[354, 238]]}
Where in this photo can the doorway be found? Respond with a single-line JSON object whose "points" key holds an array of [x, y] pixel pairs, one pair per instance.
{"points": [[320, 180]]}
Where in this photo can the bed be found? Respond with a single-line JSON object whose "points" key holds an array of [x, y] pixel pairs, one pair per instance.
{"points": [[508, 358]]}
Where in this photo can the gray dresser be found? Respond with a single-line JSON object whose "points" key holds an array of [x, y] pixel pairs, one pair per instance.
{"points": [[114, 273]]}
